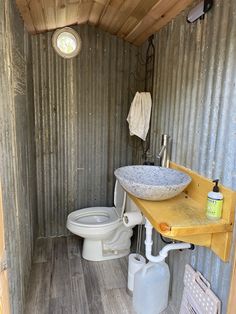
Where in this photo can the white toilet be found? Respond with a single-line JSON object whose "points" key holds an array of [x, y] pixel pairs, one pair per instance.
{"points": [[105, 235]]}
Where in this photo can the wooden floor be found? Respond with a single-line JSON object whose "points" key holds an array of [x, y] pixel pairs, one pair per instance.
{"points": [[62, 282]]}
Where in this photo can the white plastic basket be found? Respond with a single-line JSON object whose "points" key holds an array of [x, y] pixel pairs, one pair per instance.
{"points": [[197, 296]]}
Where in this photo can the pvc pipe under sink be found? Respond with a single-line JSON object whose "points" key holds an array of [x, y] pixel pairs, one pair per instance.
{"points": [[164, 252]]}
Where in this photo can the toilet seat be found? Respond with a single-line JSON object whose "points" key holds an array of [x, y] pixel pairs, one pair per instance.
{"points": [[94, 217], [93, 222]]}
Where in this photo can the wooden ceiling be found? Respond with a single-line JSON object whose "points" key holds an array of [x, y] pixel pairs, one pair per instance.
{"points": [[133, 20]]}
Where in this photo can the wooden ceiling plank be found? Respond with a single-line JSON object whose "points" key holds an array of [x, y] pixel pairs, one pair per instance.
{"points": [[60, 13], [139, 28], [72, 9], [176, 9], [103, 11], [122, 15], [49, 11], [84, 10], [110, 13], [26, 15], [137, 15], [161, 7], [95, 13], [107, 18], [152, 17], [38, 17]]}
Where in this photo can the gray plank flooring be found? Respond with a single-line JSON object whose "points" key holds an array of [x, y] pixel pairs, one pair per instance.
{"points": [[62, 282]]}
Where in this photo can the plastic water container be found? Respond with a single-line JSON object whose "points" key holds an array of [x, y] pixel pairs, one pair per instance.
{"points": [[151, 288]]}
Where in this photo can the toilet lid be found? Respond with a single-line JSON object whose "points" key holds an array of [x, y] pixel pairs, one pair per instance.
{"points": [[119, 199]]}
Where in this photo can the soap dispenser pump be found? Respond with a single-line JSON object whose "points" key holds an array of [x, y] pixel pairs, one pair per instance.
{"points": [[214, 203]]}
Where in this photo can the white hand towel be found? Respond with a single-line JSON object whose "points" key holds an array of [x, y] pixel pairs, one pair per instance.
{"points": [[139, 115]]}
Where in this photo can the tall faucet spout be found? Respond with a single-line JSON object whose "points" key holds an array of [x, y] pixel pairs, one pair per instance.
{"points": [[163, 156], [161, 151]]}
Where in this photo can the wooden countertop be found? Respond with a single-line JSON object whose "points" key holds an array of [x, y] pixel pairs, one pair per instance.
{"points": [[180, 216]]}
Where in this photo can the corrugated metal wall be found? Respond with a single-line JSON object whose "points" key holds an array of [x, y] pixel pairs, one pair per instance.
{"points": [[81, 131], [195, 103], [81, 107], [17, 150]]}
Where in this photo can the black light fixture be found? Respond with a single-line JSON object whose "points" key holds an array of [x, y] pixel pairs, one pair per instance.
{"points": [[199, 11]]}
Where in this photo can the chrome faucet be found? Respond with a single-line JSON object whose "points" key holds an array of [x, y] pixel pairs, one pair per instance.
{"points": [[163, 158]]}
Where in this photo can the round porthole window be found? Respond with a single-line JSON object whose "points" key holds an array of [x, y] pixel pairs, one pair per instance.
{"points": [[67, 42]]}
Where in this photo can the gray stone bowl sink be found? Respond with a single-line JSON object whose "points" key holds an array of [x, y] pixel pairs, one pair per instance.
{"points": [[151, 182]]}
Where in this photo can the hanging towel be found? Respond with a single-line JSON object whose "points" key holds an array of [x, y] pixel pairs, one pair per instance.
{"points": [[139, 115]]}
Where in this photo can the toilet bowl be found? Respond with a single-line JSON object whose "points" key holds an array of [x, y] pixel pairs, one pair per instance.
{"points": [[105, 235]]}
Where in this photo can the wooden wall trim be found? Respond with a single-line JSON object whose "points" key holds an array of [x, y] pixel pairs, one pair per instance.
{"points": [[4, 288], [232, 293]]}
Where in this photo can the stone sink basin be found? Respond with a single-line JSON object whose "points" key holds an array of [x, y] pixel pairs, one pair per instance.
{"points": [[151, 182]]}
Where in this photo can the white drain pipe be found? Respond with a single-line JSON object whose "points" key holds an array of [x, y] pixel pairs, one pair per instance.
{"points": [[164, 252]]}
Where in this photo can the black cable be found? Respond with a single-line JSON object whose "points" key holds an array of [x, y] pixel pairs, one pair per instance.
{"points": [[165, 241], [149, 78]]}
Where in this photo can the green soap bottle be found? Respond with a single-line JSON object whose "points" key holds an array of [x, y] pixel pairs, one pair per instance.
{"points": [[214, 203]]}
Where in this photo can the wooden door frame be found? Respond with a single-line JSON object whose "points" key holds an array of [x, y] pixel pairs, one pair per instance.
{"points": [[4, 287], [232, 294]]}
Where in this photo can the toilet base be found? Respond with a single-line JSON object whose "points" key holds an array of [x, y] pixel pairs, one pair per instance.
{"points": [[93, 251]]}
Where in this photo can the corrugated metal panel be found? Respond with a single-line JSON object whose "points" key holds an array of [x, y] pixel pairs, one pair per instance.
{"points": [[81, 107], [195, 103], [17, 157]]}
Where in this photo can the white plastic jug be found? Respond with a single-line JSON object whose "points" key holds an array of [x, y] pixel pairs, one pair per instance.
{"points": [[151, 288]]}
